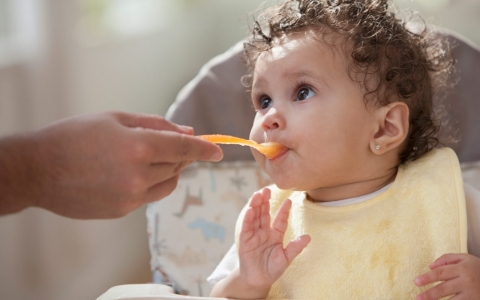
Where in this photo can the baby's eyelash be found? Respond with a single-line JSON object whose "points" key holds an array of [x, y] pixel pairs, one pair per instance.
{"points": [[302, 84], [257, 98]]}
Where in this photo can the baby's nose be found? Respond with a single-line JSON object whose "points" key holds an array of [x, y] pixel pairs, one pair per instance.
{"points": [[272, 120]]}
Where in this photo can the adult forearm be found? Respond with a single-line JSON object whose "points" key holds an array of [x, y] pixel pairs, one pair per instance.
{"points": [[100, 166], [19, 173]]}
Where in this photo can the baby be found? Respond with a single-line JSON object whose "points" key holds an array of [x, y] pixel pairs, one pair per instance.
{"points": [[363, 205]]}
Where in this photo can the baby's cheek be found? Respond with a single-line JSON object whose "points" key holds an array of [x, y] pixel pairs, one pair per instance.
{"points": [[259, 158], [256, 134]]}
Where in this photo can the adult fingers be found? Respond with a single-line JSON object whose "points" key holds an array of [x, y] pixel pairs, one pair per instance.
{"points": [[439, 274], [161, 190], [159, 172], [444, 289], [172, 147], [151, 122]]}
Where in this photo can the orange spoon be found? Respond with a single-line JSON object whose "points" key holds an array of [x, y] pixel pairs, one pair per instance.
{"points": [[270, 150]]}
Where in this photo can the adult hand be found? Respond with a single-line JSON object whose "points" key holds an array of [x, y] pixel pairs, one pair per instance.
{"points": [[98, 165], [459, 274]]}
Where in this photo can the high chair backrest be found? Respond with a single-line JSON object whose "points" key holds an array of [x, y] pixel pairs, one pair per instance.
{"points": [[463, 102], [216, 102], [193, 228]]}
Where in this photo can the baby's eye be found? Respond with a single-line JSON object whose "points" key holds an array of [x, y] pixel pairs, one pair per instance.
{"points": [[265, 102], [305, 93]]}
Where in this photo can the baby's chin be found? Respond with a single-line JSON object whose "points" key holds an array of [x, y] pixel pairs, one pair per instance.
{"points": [[280, 180], [293, 183], [283, 184]]}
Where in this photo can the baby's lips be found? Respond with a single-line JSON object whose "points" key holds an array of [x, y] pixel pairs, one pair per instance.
{"points": [[273, 149]]}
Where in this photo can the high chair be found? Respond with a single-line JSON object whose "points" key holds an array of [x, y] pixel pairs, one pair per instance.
{"points": [[190, 230]]}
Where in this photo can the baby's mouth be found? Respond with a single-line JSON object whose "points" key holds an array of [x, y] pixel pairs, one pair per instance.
{"points": [[281, 150], [284, 150]]}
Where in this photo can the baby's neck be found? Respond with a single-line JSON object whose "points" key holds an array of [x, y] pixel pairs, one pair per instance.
{"points": [[353, 189]]}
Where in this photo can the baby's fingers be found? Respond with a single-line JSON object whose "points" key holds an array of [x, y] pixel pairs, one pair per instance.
{"points": [[266, 193], [257, 214], [280, 222], [448, 259], [265, 208], [439, 274], [252, 218], [248, 220], [444, 289], [296, 246]]}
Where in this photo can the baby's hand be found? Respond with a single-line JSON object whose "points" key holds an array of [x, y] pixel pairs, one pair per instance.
{"points": [[262, 256], [460, 274]]}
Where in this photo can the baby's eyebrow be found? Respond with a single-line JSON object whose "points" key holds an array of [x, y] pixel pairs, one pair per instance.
{"points": [[259, 83], [305, 73]]}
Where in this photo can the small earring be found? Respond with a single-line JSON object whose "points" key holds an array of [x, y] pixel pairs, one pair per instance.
{"points": [[377, 147]]}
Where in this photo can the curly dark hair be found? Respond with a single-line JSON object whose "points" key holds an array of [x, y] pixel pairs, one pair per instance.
{"points": [[405, 62]]}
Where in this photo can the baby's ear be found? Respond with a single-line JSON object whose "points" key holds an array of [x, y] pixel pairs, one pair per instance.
{"points": [[392, 127]]}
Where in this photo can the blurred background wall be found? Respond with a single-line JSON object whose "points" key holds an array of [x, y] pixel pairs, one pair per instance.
{"points": [[60, 58]]}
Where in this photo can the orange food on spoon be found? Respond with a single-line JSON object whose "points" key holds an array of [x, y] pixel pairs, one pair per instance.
{"points": [[270, 150]]}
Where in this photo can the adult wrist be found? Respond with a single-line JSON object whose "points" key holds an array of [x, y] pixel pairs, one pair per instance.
{"points": [[19, 173]]}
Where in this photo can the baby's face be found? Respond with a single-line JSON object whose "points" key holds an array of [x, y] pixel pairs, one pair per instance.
{"points": [[306, 100]]}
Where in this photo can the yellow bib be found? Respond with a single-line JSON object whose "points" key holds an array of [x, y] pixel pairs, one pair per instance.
{"points": [[374, 249]]}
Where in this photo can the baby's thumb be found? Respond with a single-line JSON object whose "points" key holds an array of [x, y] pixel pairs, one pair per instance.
{"points": [[295, 247]]}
